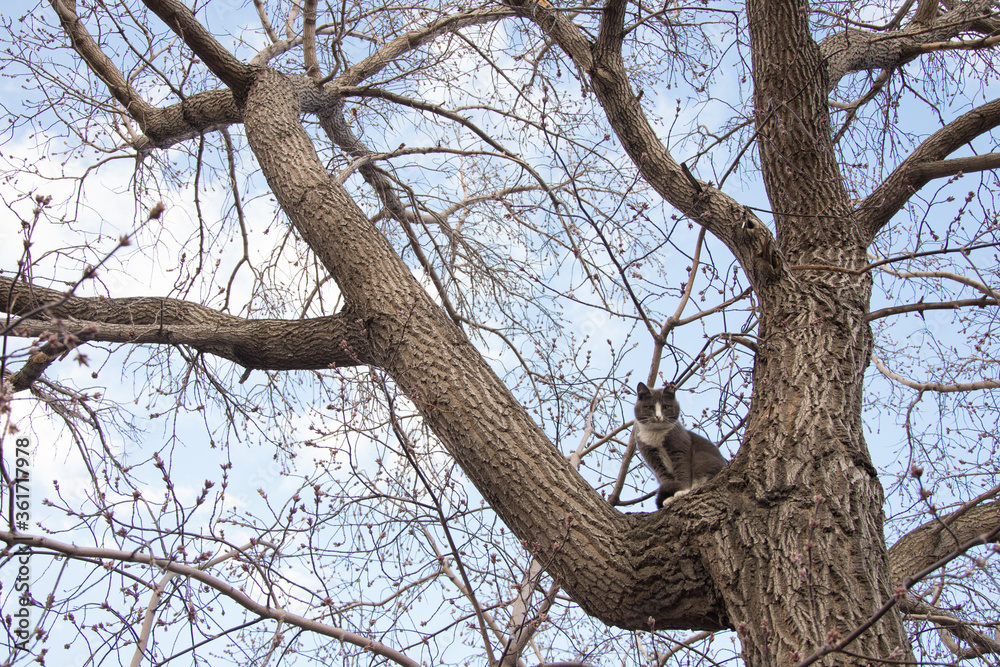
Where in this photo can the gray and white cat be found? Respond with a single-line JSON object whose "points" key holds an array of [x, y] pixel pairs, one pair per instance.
{"points": [[680, 459]]}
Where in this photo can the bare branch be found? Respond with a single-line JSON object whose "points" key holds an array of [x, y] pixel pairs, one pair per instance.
{"points": [[961, 45], [100, 64], [922, 306], [920, 167], [264, 21], [223, 64], [154, 599], [951, 628], [414, 39], [948, 275], [225, 589], [358, 91], [852, 107], [935, 386]]}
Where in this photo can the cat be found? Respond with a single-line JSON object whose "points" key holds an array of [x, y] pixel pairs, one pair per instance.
{"points": [[680, 459]]}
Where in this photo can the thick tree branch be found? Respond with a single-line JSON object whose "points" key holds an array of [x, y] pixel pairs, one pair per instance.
{"points": [[199, 114], [736, 226], [215, 109], [162, 127], [797, 156], [34, 367], [231, 71], [339, 131], [855, 50], [280, 345], [926, 11], [983, 14], [88, 49], [939, 537], [308, 344], [649, 566], [945, 168], [926, 163], [309, 40], [25, 299]]}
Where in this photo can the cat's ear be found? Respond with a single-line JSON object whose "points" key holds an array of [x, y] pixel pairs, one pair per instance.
{"points": [[642, 390], [670, 386]]}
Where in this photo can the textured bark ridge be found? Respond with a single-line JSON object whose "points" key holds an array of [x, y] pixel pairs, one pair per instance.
{"points": [[813, 523], [786, 545]]}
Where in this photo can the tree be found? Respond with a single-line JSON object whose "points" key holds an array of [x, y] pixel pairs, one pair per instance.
{"points": [[425, 280]]}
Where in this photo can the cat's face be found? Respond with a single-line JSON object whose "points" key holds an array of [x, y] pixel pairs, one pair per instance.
{"points": [[656, 408]]}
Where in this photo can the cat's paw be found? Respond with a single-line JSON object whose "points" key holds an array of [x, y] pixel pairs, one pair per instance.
{"points": [[670, 499]]}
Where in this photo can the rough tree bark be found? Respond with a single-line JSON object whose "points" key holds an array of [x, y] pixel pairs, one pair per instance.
{"points": [[809, 476], [787, 545], [800, 557]]}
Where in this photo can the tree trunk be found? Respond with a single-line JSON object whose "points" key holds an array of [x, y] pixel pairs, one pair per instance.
{"points": [[807, 542], [803, 562]]}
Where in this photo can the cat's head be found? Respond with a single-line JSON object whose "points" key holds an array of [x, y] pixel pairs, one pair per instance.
{"points": [[656, 407]]}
